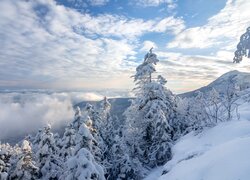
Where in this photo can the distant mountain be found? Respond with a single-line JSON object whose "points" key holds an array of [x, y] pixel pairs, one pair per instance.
{"points": [[242, 79], [118, 106]]}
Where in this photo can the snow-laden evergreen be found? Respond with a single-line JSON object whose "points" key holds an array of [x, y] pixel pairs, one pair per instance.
{"points": [[24, 167], [47, 156], [122, 165], [8, 159], [243, 47], [82, 166], [80, 150], [36, 140], [148, 117], [68, 142]]}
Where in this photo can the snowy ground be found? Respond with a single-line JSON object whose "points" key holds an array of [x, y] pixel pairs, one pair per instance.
{"points": [[219, 153]]}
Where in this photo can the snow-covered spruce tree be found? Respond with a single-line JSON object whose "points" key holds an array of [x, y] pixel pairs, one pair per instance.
{"points": [[122, 166], [105, 110], [80, 134], [148, 131], [3, 169], [94, 123], [82, 166], [116, 160], [24, 167], [182, 122], [95, 117], [47, 156], [243, 47], [78, 119], [81, 149], [104, 132], [6, 153], [36, 140], [68, 142], [84, 138], [57, 140]]}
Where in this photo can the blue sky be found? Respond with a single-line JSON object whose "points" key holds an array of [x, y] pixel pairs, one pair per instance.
{"points": [[97, 44]]}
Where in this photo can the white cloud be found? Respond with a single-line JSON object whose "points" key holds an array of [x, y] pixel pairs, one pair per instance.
{"points": [[223, 29], [171, 4], [170, 24], [119, 26], [24, 113], [83, 4], [46, 45], [98, 2], [147, 45], [189, 72]]}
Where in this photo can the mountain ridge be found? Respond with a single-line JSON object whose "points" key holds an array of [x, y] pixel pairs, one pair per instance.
{"points": [[241, 79]]}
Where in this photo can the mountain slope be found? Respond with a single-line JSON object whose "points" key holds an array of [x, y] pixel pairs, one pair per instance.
{"points": [[221, 152], [242, 79]]}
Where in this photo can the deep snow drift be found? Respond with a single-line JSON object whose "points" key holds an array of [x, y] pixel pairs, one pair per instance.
{"points": [[222, 152]]}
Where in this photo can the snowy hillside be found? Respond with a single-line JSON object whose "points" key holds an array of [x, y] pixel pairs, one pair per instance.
{"points": [[242, 79], [221, 152]]}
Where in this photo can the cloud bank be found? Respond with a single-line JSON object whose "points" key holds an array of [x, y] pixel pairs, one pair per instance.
{"points": [[26, 112], [48, 45], [223, 29]]}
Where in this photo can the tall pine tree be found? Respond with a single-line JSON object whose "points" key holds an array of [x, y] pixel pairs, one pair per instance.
{"points": [[48, 160], [148, 117]]}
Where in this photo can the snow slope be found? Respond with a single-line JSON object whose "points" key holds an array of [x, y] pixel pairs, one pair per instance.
{"points": [[219, 153]]}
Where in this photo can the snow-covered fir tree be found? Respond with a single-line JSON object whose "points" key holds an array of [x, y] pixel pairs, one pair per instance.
{"points": [[24, 167], [94, 123], [82, 166], [180, 122], [7, 153], [243, 47], [121, 165], [57, 139], [68, 142], [106, 129], [36, 140], [148, 117], [78, 144], [47, 156], [93, 115], [84, 138], [78, 120], [3, 169], [105, 111]]}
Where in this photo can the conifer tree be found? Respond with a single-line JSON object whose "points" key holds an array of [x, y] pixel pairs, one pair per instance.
{"points": [[82, 166], [122, 166], [24, 167], [35, 141], [48, 159], [94, 124], [68, 142], [9, 155], [243, 47], [148, 117]]}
